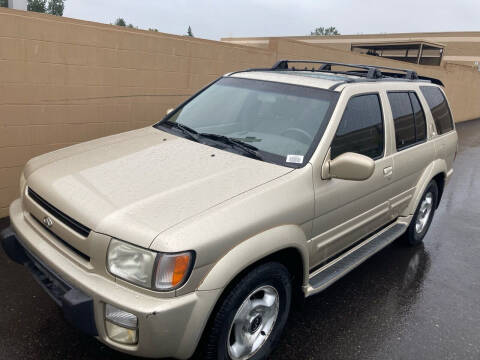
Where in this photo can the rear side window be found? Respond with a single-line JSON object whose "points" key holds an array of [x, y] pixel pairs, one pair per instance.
{"points": [[408, 118], [439, 108], [361, 128], [420, 122]]}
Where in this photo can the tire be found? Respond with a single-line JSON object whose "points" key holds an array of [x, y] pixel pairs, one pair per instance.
{"points": [[262, 285], [419, 225]]}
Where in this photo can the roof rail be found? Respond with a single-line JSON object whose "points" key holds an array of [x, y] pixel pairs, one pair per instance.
{"points": [[372, 72]]}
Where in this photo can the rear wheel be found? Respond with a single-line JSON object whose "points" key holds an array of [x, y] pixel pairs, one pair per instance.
{"points": [[249, 321], [423, 215]]}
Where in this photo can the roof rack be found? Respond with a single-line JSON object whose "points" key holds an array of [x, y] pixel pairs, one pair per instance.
{"points": [[370, 72]]}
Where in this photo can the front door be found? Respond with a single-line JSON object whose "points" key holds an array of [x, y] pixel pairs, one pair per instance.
{"points": [[345, 210]]}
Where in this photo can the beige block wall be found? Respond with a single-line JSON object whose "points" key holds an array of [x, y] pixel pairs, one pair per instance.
{"points": [[64, 81], [462, 83]]}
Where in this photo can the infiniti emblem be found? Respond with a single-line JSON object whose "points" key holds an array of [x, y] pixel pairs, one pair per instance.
{"points": [[47, 221]]}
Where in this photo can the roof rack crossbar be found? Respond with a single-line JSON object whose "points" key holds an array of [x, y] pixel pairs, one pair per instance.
{"points": [[372, 71]]}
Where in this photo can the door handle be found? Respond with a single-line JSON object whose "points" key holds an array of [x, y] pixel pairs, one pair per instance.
{"points": [[388, 171]]}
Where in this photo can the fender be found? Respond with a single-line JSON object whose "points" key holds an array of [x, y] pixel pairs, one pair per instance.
{"points": [[254, 249], [436, 167]]}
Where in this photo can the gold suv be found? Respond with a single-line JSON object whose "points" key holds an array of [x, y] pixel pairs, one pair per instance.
{"points": [[192, 235]]}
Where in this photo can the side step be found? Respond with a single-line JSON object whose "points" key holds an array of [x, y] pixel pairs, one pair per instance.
{"points": [[334, 270]]}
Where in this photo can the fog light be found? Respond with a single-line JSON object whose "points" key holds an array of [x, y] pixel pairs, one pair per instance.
{"points": [[121, 334], [121, 325]]}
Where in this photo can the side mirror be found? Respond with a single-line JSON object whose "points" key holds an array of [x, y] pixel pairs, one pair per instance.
{"points": [[169, 111], [350, 166]]}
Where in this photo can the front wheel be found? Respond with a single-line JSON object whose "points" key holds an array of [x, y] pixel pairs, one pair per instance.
{"points": [[423, 215], [249, 321]]}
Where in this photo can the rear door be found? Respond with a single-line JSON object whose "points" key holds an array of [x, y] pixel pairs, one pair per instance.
{"points": [[413, 152]]}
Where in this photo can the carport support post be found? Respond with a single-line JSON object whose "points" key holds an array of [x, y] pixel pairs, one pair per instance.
{"points": [[420, 53]]}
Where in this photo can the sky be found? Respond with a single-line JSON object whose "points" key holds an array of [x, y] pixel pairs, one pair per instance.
{"points": [[214, 19]]}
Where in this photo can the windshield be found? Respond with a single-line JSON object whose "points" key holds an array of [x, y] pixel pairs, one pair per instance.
{"points": [[281, 122]]}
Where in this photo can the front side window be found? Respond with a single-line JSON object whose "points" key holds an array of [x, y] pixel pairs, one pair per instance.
{"points": [[282, 122], [439, 108], [361, 128], [408, 118]]}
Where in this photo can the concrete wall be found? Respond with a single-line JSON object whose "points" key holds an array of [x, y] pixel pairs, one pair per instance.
{"points": [[64, 81]]}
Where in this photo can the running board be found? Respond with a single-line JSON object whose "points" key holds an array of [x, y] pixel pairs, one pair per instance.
{"points": [[334, 270]]}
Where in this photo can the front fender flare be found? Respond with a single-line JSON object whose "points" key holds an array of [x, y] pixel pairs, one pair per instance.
{"points": [[254, 249]]}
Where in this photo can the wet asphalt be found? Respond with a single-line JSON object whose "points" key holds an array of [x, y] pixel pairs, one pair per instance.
{"points": [[403, 303]]}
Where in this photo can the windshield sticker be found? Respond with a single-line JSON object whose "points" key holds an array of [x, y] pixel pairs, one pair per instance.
{"points": [[296, 159]]}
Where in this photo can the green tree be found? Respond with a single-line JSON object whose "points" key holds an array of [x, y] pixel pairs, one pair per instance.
{"points": [[153, 29], [189, 31], [37, 5], [120, 22], [332, 30], [3, 3], [56, 7]]}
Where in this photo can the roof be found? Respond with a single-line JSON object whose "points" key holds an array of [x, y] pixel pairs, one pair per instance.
{"points": [[398, 43], [305, 78]]}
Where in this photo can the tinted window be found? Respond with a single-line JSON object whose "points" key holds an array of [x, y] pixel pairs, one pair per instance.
{"points": [[280, 120], [420, 122], [361, 128], [439, 107], [408, 118], [403, 119]]}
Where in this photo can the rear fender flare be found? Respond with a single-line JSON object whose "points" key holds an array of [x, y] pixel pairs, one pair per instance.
{"points": [[436, 167]]}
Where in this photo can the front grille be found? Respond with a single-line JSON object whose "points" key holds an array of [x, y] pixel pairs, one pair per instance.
{"points": [[64, 218], [66, 244]]}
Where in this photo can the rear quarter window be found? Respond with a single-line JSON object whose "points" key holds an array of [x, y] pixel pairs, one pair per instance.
{"points": [[438, 106]]}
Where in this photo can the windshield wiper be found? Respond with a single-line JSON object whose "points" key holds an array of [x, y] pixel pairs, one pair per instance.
{"points": [[247, 148], [192, 134], [195, 136]]}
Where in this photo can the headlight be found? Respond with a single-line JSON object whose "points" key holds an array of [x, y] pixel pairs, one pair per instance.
{"points": [[146, 268]]}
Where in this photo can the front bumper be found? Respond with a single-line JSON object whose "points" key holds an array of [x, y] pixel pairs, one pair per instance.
{"points": [[167, 327], [77, 306]]}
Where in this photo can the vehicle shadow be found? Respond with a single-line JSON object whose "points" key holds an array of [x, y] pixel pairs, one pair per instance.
{"points": [[352, 318]]}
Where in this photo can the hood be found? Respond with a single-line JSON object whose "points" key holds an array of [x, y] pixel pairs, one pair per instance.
{"points": [[135, 185]]}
